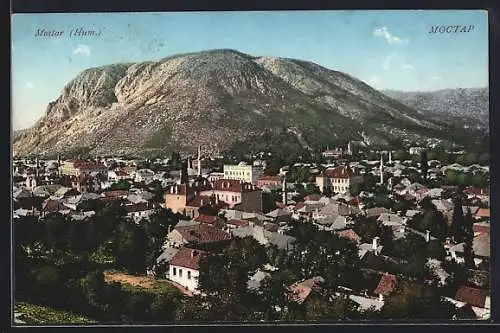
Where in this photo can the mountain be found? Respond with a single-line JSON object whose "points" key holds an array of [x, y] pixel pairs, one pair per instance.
{"points": [[462, 107], [219, 99]]}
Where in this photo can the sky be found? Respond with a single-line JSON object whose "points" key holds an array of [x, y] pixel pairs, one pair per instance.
{"points": [[386, 49]]}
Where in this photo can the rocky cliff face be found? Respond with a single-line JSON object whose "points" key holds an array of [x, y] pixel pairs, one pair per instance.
{"points": [[216, 99]]}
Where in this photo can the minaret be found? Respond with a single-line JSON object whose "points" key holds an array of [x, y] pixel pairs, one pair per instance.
{"points": [[284, 191], [390, 157], [381, 169], [37, 166], [199, 161], [349, 148]]}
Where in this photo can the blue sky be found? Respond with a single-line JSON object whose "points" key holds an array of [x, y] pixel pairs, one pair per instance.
{"points": [[386, 49]]}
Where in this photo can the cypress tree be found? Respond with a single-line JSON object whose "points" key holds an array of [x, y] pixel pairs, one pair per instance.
{"points": [[468, 234], [457, 220], [424, 165]]}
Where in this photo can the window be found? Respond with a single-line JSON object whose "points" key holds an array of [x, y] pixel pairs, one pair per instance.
{"points": [[189, 275], [180, 273], [174, 271]]}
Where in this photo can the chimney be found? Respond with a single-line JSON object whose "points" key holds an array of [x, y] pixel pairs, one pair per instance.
{"points": [[375, 244], [193, 253], [427, 236]]}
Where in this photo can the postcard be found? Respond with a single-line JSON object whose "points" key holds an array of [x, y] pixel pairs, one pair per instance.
{"points": [[250, 167]]}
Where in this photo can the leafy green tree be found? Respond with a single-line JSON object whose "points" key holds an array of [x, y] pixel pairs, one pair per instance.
{"points": [[121, 185], [411, 300], [131, 246], [56, 231]]}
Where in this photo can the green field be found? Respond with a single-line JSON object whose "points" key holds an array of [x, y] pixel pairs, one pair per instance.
{"points": [[32, 314]]}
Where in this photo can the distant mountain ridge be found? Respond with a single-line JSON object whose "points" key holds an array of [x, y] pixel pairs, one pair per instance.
{"points": [[218, 99], [461, 106]]}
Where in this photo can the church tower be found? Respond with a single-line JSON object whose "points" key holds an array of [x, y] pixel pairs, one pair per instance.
{"points": [[390, 157]]}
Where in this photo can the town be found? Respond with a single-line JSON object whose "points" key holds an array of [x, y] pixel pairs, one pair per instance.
{"points": [[353, 233]]}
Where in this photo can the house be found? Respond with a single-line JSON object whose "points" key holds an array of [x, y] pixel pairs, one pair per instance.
{"points": [[242, 171], [214, 176], [367, 303], [301, 291], [374, 247], [208, 219], [245, 196], [271, 181], [77, 167], [338, 179], [349, 234], [375, 212], [279, 215], [479, 299], [184, 268], [330, 223], [117, 175], [482, 213], [140, 211], [480, 228], [480, 247], [389, 219], [200, 234], [236, 223], [264, 237], [386, 286]]}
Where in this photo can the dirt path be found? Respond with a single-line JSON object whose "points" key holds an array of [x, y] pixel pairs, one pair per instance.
{"points": [[139, 281]]}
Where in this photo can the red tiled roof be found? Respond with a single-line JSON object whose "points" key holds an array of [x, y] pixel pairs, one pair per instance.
{"points": [[473, 296], [203, 233], [138, 207], [272, 178], [231, 185], [189, 258], [355, 201], [349, 234], [238, 223], [312, 197], [203, 200], [206, 219], [481, 228], [299, 205], [302, 290], [121, 173], [340, 172], [386, 285], [52, 206], [475, 191], [116, 193], [483, 212]]}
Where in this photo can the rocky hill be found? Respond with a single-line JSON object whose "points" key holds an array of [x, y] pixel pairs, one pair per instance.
{"points": [[219, 99], [463, 107]]}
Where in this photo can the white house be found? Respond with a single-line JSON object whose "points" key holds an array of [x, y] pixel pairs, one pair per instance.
{"points": [[184, 268]]}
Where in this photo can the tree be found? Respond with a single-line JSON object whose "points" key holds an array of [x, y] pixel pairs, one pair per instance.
{"points": [[131, 246], [457, 221], [469, 239], [411, 300], [424, 165], [224, 277], [122, 184]]}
